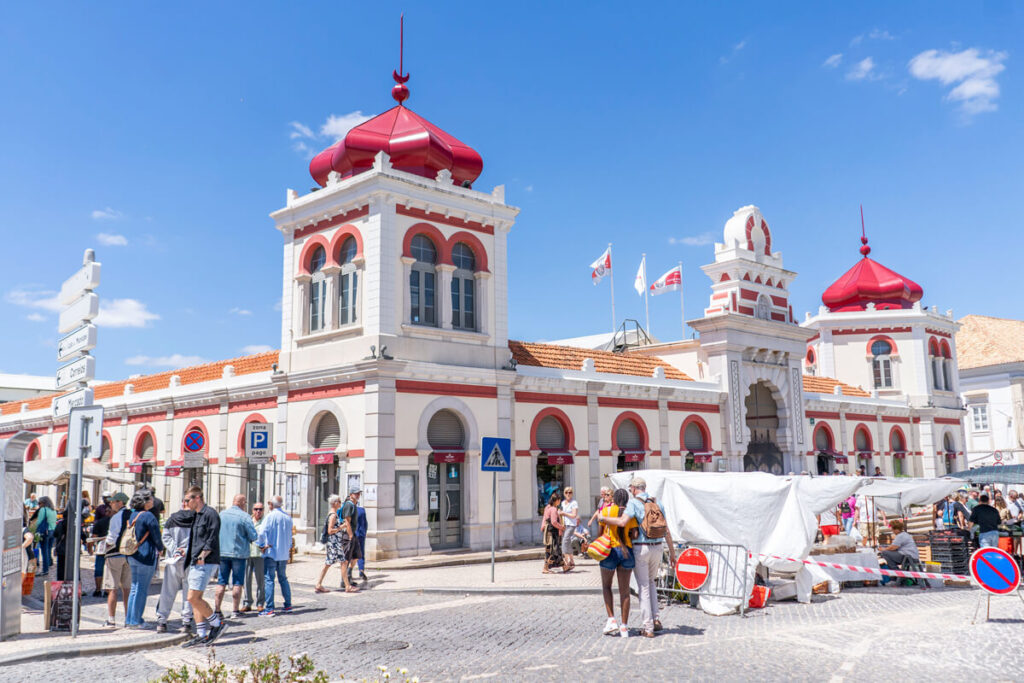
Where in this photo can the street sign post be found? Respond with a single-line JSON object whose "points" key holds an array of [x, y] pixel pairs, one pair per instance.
{"points": [[495, 456], [62, 405], [259, 439], [85, 440], [82, 339], [81, 370], [692, 568], [996, 572]]}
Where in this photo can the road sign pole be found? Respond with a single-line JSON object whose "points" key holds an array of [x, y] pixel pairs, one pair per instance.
{"points": [[494, 518], [76, 586]]}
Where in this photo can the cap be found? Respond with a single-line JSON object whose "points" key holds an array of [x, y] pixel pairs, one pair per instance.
{"points": [[354, 488], [119, 497], [105, 494]]}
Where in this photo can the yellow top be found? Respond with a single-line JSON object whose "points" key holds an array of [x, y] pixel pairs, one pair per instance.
{"points": [[613, 531]]}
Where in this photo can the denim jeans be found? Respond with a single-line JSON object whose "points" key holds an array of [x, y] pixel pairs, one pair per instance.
{"points": [[989, 539], [97, 571], [270, 568], [362, 554], [46, 551], [142, 576]]}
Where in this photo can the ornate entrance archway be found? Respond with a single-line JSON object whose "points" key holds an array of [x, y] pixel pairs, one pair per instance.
{"points": [[762, 417]]}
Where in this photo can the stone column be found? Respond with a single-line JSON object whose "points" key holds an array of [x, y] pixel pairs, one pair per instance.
{"points": [[407, 262], [331, 298], [379, 468], [482, 302], [443, 295]]}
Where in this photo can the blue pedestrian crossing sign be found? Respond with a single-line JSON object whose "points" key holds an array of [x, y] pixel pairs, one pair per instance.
{"points": [[496, 455]]}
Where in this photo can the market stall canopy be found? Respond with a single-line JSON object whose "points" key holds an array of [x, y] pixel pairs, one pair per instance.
{"points": [[58, 471], [894, 494], [993, 474]]}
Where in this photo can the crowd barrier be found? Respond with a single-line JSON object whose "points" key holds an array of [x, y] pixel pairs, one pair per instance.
{"points": [[727, 574]]}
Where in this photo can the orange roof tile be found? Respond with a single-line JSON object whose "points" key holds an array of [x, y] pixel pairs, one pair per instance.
{"points": [[827, 385], [983, 340], [571, 358], [244, 365]]}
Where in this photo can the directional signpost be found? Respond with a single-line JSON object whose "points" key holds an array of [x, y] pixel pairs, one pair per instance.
{"points": [[495, 456], [996, 572]]}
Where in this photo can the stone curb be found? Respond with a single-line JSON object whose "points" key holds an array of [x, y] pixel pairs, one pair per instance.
{"points": [[94, 650], [456, 561], [498, 591]]}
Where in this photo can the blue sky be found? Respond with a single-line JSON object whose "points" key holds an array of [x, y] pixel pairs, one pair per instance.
{"points": [[163, 136]]}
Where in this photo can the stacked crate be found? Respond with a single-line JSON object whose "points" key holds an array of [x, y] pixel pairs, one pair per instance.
{"points": [[951, 549]]}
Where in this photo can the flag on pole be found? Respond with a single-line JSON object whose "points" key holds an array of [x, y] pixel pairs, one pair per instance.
{"points": [[602, 266], [672, 281], [640, 283]]}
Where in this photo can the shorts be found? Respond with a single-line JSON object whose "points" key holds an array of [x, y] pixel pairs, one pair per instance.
{"points": [[199, 575], [350, 548], [229, 566], [829, 529], [117, 574], [619, 558]]}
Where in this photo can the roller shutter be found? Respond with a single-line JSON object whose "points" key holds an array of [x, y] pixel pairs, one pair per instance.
{"points": [[328, 433], [445, 431], [628, 437], [550, 435]]}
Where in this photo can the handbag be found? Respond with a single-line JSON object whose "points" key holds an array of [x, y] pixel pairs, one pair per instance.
{"points": [[600, 547]]}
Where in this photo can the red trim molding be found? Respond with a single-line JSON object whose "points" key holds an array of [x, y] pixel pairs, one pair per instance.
{"points": [[694, 407], [946, 421], [828, 430], [863, 417], [406, 452], [563, 419], [148, 417], [254, 404], [306, 254], [331, 222], [328, 391], [629, 415], [895, 418], [444, 220], [871, 330], [702, 425], [343, 233], [199, 411], [638, 404], [440, 243], [138, 440], [560, 399], [405, 386]]}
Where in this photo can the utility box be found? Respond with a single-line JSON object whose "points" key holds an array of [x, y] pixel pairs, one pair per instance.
{"points": [[12, 486]]}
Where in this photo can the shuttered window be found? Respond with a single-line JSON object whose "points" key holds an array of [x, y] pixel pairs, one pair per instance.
{"points": [[896, 444], [550, 435], [445, 431], [861, 441], [146, 448], [693, 438], [328, 433], [105, 452], [821, 440], [628, 436]]}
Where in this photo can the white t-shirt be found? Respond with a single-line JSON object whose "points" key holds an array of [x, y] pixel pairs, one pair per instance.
{"points": [[569, 506]]}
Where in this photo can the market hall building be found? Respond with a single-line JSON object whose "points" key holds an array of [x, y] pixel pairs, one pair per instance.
{"points": [[395, 362]]}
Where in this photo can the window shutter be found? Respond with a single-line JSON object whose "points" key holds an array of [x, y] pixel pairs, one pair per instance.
{"points": [[628, 437], [693, 438], [861, 440], [550, 435], [821, 440], [445, 431], [146, 448], [105, 452], [328, 433], [896, 443]]}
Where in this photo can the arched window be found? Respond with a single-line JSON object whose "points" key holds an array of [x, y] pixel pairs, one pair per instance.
{"points": [[106, 451], [445, 432], [550, 435], [862, 440], [947, 366], [348, 286], [822, 440], [422, 282], [693, 438], [881, 363], [62, 448], [763, 308], [146, 449], [896, 443], [32, 452], [317, 289], [630, 442], [327, 436], [463, 305]]}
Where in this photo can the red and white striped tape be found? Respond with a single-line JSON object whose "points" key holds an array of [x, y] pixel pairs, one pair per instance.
{"points": [[871, 570]]}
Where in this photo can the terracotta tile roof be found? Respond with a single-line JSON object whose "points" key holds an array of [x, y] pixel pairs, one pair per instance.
{"points": [[983, 340], [571, 358], [244, 365], [827, 385]]}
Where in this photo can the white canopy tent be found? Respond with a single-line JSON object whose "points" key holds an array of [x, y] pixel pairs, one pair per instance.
{"points": [[764, 513], [58, 471], [893, 495]]}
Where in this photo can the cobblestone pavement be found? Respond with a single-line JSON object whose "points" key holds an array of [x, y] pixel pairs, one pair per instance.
{"points": [[871, 633]]}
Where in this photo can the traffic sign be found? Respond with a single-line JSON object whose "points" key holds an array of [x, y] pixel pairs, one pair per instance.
{"points": [[62, 405], [995, 570], [259, 440], [497, 455], [82, 339], [81, 370], [692, 569], [85, 432], [998, 456], [86, 278], [194, 441], [84, 308]]}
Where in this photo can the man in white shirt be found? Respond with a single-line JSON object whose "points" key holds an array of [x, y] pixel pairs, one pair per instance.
{"points": [[570, 518]]}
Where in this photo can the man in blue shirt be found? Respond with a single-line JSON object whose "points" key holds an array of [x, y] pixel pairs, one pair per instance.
{"points": [[275, 539], [236, 533]]}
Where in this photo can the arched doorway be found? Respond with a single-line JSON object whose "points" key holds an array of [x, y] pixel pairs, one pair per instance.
{"points": [[629, 442], [447, 439], [325, 443], [948, 461], [898, 446], [145, 451], [551, 471], [823, 445], [696, 446], [762, 417]]}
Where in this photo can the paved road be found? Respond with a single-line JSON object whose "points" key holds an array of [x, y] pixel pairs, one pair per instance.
{"points": [[872, 633]]}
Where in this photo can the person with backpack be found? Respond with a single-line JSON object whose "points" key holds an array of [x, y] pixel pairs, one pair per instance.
{"points": [[116, 572], [46, 522], [142, 545], [648, 549]]}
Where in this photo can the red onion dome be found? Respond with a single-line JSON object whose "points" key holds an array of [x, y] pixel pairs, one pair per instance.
{"points": [[871, 282]]}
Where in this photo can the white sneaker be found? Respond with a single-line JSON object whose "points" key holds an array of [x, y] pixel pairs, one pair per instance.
{"points": [[611, 627], [623, 631]]}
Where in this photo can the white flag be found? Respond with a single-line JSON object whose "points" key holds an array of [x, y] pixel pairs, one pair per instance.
{"points": [[601, 266], [640, 283], [672, 281]]}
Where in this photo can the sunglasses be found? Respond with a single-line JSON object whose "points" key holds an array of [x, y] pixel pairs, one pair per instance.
{"points": [[257, 509]]}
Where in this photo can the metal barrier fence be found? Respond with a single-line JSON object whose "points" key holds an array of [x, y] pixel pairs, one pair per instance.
{"points": [[727, 575]]}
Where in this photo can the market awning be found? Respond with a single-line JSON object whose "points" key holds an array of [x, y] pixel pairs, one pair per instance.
{"points": [[864, 455], [58, 471], [993, 474], [321, 456]]}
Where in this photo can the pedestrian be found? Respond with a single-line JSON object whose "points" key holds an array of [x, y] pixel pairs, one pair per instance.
{"points": [[103, 509], [987, 519], [275, 540], [254, 567], [972, 500], [31, 504], [175, 537], [570, 519], [848, 512], [361, 528], [350, 544], [142, 562], [202, 559], [862, 471], [98, 538], [869, 517], [902, 548], [46, 522], [878, 472], [116, 572], [551, 529], [331, 538], [619, 563], [236, 533], [605, 501]]}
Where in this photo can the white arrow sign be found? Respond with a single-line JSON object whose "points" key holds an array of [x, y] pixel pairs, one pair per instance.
{"points": [[82, 339], [84, 308], [62, 405], [81, 370], [87, 277]]}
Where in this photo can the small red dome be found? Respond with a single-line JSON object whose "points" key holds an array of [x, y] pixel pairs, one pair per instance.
{"points": [[871, 282], [414, 144]]}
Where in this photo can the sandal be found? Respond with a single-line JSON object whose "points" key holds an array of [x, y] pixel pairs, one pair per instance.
{"points": [[351, 589], [321, 589], [545, 571]]}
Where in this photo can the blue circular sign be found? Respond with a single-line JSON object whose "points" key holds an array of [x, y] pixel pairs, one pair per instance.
{"points": [[194, 441], [995, 570]]}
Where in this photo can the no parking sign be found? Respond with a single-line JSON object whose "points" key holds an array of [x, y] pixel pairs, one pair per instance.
{"points": [[995, 571]]}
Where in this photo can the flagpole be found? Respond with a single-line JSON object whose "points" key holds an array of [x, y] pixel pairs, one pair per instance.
{"points": [[647, 308], [611, 273], [682, 307]]}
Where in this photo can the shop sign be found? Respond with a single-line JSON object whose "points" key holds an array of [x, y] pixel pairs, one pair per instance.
{"points": [[321, 458], [172, 472], [193, 459], [448, 456], [634, 456], [560, 458], [135, 468]]}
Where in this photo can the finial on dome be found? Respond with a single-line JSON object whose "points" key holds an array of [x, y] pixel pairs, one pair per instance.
{"points": [[864, 249], [401, 91]]}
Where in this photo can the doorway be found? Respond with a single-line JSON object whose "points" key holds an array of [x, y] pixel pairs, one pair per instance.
{"points": [[255, 483], [763, 454], [550, 478], [444, 504], [325, 478]]}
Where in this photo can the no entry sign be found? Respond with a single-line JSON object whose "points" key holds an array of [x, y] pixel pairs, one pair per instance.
{"points": [[995, 570], [692, 569]]}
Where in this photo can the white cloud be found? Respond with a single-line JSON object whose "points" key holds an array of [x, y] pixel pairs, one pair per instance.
{"points": [[973, 73], [278, 306], [300, 130], [861, 70], [36, 317], [109, 239], [107, 214], [256, 348], [31, 297], [124, 313], [307, 140], [175, 360], [735, 48], [833, 61], [239, 311], [693, 240], [335, 127], [528, 188], [880, 34]]}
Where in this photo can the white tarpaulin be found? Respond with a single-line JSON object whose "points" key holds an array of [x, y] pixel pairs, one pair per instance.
{"points": [[58, 471], [762, 512], [893, 493]]}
